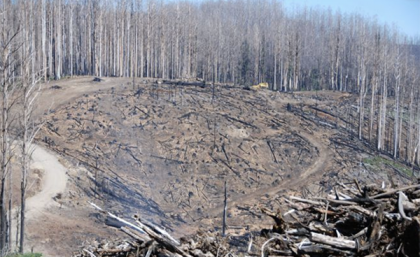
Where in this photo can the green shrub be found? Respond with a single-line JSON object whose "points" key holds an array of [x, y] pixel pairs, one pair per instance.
{"points": [[26, 255], [378, 163]]}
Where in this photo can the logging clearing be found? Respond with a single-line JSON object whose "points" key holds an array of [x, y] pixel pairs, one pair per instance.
{"points": [[162, 151]]}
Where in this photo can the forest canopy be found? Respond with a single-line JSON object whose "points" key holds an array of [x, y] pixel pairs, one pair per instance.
{"points": [[221, 41], [236, 41]]}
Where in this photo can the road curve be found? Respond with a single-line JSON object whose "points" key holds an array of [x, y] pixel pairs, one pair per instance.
{"points": [[54, 181]]}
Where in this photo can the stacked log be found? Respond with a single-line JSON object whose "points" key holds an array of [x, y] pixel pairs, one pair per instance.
{"points": [[350, 221]]}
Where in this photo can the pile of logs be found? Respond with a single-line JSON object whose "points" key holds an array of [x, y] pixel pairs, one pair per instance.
{"points": [[350, 221], [147, 239]]}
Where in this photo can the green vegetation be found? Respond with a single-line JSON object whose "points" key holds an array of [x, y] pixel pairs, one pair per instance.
{"points": [[377, 163], [25, 255]]}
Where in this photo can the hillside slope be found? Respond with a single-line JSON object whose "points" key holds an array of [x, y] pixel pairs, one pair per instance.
{"points": [[165, 150]]}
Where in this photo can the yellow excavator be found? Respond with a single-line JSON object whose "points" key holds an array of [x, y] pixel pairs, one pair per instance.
{"points": [[259, 86]]}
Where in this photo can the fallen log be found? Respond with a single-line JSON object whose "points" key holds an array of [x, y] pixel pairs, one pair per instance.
{"points": [[333, 241], [401, 198], [355, 226], [137, 236], [272, 151], [391, 192], [329, 113], [306, 201], [232, 119], [171, 245]]}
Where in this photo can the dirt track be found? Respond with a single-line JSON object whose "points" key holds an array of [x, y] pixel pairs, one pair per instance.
{"points": [[317, 168], [71, 89], [53, 182]]}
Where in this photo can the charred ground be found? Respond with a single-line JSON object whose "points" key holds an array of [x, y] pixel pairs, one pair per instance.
{"points": [[164, 150]]}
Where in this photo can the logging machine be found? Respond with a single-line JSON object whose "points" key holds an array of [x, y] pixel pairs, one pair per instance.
{"points": [[259, 86]]}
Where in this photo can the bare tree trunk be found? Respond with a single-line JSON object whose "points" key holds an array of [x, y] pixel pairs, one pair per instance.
{"points": [[361, 79], [43, 39], [51, 41], [58, 45], [71, 65], [372, 109], [8, 46], [397, 111], [24, 171], [275, 72], [417, 150], [224, 211], [411, 124], [141, 47], [30, 93], [382, 113]]}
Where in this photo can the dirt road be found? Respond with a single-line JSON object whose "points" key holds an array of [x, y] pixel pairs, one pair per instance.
{"points": [[53, 182], [72, 89], [319, 165]]}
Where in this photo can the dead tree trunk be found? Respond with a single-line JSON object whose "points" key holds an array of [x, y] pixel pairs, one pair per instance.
{"points": [[224, 213]]}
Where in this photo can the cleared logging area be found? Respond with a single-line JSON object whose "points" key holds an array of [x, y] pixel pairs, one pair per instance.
{"points": [[163, 151]]}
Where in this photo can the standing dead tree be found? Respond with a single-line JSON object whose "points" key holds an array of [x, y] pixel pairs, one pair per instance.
{"points": [[8, 68], [29, 129], [224, 211], [18, 84]]}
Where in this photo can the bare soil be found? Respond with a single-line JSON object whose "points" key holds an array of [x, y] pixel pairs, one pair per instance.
{"points": [[165, 150]]}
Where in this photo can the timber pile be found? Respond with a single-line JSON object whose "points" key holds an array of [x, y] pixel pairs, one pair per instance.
{"points": [[351, 221], [148, 239], [203, 245]]}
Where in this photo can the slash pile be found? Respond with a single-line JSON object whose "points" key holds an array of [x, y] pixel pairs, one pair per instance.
{"points": [[148, 239], [350, 221]]}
